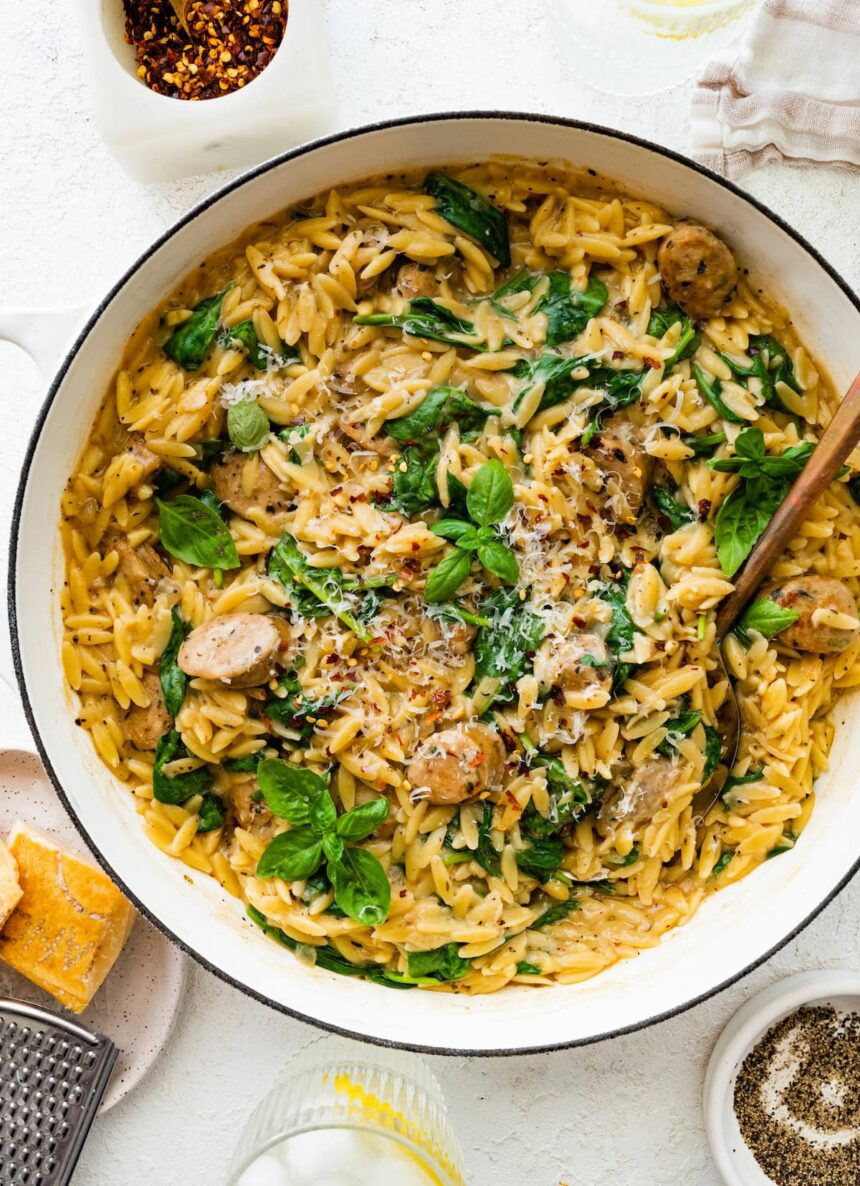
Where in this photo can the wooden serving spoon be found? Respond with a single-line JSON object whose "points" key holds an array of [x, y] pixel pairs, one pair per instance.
{"points": [[839, 438]]}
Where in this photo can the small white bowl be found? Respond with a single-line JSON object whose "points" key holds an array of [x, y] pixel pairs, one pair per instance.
{"points": [[158, 138], [735, 1161]]}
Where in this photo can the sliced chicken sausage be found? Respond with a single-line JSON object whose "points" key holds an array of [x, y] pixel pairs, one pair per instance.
{"points": [[697, 269], [142, 566], [576, 664], [145, 726], [247, 804], [414, 281], [828, 614], [648, 789], [242, 650], [228, 483], [619, 454], [457, 764]]}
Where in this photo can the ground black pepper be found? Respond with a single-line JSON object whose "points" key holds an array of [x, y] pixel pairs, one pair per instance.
{"points": [[227, 44], [797, 1099]]}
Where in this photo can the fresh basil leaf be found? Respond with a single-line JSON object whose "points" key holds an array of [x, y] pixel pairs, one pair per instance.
{"points": [[569, 311], [448, 575], [180, 788], [678, 513], [247, 425], [428, 319], [190, 342], [289, 566], [444, 964], [289, 790], [361, 887], [557, 912], [472, 214], [210, 815], [711, 390], [738, 525], [439, 408], [491, 494], [291, 856], [193, 532], [500, 560], [541, 859], [323, 813], [333, 847], [458, 531], [173, 680], [766, 618], [363, 821]]}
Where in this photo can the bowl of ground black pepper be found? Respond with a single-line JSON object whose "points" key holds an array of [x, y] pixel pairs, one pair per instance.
{"points": [[782, 1090], [193, 86]]}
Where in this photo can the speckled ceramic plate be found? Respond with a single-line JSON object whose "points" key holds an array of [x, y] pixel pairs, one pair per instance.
{"points": [[138, 1002]]}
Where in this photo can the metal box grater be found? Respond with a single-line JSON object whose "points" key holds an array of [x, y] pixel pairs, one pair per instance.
{"points": [[53, 1073]]}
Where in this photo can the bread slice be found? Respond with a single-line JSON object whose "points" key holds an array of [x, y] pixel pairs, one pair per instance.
{"points": [[71, 923], [10, 890]]}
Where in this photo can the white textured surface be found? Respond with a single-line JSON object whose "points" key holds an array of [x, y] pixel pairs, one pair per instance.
{"points": [[622, 1111]]}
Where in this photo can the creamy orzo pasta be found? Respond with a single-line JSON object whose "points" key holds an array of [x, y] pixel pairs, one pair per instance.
{"points": [[393, 562]]}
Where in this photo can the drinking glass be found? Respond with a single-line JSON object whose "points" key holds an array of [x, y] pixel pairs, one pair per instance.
{"points": [[350, 1115], [640, 47]]}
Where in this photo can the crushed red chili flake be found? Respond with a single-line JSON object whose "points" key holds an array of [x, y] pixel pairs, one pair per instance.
{"points": [[227, 44]]}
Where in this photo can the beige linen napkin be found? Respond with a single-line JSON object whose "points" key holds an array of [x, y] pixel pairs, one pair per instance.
{"points": [[790, 91]]}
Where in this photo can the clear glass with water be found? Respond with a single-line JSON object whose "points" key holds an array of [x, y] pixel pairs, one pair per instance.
{"points": [[350, 1115], [641, 47]]}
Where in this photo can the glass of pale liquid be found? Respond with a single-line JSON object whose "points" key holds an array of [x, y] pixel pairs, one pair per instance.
{"points": [[641, 47], [350, 1115]]}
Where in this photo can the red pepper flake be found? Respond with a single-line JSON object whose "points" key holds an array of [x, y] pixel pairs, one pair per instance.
{"points": [[653, 363], [617, 354], [221, 51], [704, 508]]}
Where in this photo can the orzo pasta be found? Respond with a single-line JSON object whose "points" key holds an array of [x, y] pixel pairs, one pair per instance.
{"points": [[393, 561]]}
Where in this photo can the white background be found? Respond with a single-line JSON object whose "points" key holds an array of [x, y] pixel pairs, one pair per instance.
{"points": [[70, 221]]}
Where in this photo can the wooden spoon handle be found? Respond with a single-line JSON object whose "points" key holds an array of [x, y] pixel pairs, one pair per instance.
{"points": [[838, 439]]}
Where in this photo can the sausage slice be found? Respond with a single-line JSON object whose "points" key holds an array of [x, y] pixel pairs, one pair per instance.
{"points": [[145, 726], [576, 664], [242, 650], [697, 269], [628, 470], [267, 495], [142, 566], [647, 790], [818, 600], [414, 281], [458, 764]]}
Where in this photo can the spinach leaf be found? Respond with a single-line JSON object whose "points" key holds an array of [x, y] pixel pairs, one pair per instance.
{"points": [[689, 339], [181, 787], [246, 765], [443, 964], [415, 479], [785, 845], [193, 532], [524, 968], [568, 799], [428, 319], [740, 780], [521, 281], [555, 372], [472, 214], [450, 611], [361, 886], [486, 853], [247, 425], [678, 513], [556, 912], [514, 632], [771, 365], [723, 863], [713, 752], [327, 957], [766, 618], [244, 336], [711, 390], [289, 566], [619, 637], [190, 342], [681, 726], [704, 446], [439, 408], [298, 712], [569, 311], [211, 814], [173, 680], [541, 859]]}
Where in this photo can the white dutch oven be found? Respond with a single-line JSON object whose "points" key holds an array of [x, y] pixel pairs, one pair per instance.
{"points": [[734, 931]]}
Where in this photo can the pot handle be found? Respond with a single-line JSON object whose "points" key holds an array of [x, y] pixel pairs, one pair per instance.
{"points": [[45, 334]]}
